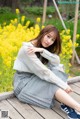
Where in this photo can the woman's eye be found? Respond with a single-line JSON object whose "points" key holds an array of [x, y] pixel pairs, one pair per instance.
{"points": [[53, 40], [48, 36]]}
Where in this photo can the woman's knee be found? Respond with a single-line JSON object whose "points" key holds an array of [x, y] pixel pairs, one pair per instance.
{"points": [[58, 92]]}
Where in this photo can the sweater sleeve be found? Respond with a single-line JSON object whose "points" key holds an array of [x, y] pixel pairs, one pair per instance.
{"points": [[52, 58], [38, 68]]}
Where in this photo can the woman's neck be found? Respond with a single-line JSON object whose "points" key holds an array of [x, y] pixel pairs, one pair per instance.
{"points": [[34, 42]]}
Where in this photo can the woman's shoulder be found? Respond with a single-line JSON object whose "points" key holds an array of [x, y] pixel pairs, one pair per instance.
{"points": [[27, 44]]}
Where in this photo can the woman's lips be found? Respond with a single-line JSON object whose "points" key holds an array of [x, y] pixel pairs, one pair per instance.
{"points": [[47, 44]]}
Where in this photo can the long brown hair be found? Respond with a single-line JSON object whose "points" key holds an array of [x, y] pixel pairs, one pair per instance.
{"points": [[56, 46]]}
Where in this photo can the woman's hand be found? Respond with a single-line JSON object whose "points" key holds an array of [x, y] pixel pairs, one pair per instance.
{"points": [[34, 49], [69, 89]]}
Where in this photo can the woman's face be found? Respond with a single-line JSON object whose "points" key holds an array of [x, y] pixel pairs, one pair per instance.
{"points": [[48, 39]]}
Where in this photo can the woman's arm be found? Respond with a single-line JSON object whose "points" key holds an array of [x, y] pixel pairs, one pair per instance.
{"points": [[36, 67], [52, 58]]}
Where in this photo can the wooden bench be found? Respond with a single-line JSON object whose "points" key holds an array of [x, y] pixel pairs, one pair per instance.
{"points": [[18, 110]]}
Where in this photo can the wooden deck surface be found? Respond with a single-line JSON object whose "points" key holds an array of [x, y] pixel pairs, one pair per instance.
{"points": [[18, 110]]}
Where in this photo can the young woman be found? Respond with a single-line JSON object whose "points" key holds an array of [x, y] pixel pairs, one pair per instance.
{"points": [[39, 79]]}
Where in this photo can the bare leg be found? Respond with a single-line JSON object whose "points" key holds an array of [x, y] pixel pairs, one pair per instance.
{"points": [[65, 98]]}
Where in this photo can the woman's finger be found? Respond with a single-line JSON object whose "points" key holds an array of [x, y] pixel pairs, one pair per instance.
{"points": [[30, 50]]}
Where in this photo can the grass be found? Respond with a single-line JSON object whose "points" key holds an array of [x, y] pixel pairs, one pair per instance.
{"points": [[7, 17]]}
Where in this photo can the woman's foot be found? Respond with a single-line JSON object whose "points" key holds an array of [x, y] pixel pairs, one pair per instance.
{"points": [[71, 113]]}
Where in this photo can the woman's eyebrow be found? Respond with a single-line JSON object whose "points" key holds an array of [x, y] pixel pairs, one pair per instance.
{"points": [[50, 35]]}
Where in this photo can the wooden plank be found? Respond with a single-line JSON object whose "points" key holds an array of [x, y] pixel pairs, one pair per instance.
{"points": [[75, 96], [73, 80], [13, 114], [75, 89], [24, 109], [58, 110], [6, 95], [77, 84], [47, 113]]}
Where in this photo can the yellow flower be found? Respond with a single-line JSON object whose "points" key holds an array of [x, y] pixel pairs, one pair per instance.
{"points": [[70, 51], [77, 36], [0, 73], [43, 26], [17, 11], [12, 22], [27, 23], [38, 19], [69, 44], [15, 21], [4, 23], [68, 31], [37, 27], [23, 18], [68, 37], [70, 64], [76, 44], [70, 76], [63, 32]]}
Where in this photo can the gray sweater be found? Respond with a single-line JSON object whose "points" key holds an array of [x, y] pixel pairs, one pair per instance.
{"points": [[31, 63]]}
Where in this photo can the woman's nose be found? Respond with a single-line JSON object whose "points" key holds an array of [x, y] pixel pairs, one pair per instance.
{"points": [[49, 40]]}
